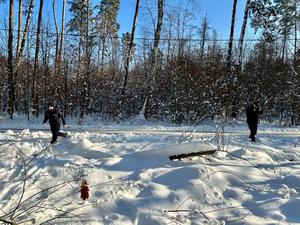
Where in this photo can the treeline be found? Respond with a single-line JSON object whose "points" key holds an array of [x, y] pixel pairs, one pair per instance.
{"points": [[175, 71]]}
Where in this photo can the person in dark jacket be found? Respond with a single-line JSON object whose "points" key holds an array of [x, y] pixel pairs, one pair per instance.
{"points": [[252, 112], [54, 118]]}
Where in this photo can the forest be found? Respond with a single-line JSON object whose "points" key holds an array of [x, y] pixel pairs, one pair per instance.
{"points": [[171, 70]]}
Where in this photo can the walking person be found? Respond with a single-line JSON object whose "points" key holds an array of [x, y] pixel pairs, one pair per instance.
{"points": [[252, 112], [54, 118]]}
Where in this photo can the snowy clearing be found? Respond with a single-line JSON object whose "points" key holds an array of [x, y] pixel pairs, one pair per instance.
{"points": [[132, 180]]}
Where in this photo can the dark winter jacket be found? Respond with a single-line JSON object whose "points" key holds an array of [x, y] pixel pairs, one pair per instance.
{"points": [[54, 117], [252, 112]]}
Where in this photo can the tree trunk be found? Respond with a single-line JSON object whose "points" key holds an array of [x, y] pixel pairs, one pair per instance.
{"points": [[11, 79], [230, 44], [153, 72], [21, 43], [59, 46], [61, 43], [296, 37], [284, 43], [170, 17], [20, 52], [45, 49], [230, 95], [56, 73], [19, 27], [66, 94], [56, 32], [103, 54], [36, 57], [123, 90], [242, 35], [28, 96], [78, 80], [86, 83], [204, 34]]}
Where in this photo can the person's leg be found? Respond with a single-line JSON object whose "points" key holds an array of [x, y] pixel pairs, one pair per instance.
{"points": [[54, 131], [255, 129], [253, 138], [252, 131], [250, 128]]}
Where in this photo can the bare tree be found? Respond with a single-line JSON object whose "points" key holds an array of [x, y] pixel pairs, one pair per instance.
{"points": [[230, 100], [129, 53], [22, 44], [56, 33], [154, 66], [36, 58], [58, 49], [203, 33], [87, 62]]}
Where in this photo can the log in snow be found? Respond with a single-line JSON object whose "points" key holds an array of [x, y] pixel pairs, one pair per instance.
{"points": [[191, 154]]}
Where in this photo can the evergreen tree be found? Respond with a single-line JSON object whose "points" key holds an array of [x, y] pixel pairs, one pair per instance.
{"points": [[106, 26], [80, 24], [286, 20], [263, 16]]}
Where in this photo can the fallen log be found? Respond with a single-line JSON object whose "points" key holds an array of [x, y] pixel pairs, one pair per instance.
{"points": [[191, 154]]}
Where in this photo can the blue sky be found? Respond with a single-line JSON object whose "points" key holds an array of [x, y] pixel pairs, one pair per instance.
{"points": [[218, 11]]}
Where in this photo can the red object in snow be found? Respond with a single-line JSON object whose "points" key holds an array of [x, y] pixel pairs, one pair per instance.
{"points": [[84, 190]]}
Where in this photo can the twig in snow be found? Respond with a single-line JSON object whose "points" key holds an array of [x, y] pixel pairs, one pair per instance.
{"points": [[184, 137], [222, 171]]}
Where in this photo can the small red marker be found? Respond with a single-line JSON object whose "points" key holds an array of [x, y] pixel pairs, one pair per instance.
{"points": [[84, 190]]}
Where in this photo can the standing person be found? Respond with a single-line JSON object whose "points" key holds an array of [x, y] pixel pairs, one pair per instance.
{"points": [[54, 118], [252, 112]]}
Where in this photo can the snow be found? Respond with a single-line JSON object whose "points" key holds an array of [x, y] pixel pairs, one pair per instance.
{"points": [[132, 180]]}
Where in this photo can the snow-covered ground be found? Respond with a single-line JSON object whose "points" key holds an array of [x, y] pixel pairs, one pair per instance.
{"points": [[132, 180]]}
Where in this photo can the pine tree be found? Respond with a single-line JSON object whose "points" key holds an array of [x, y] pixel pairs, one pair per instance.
{"points": [[286, 20], [106, 26], [80, 24], [263, 17]]}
